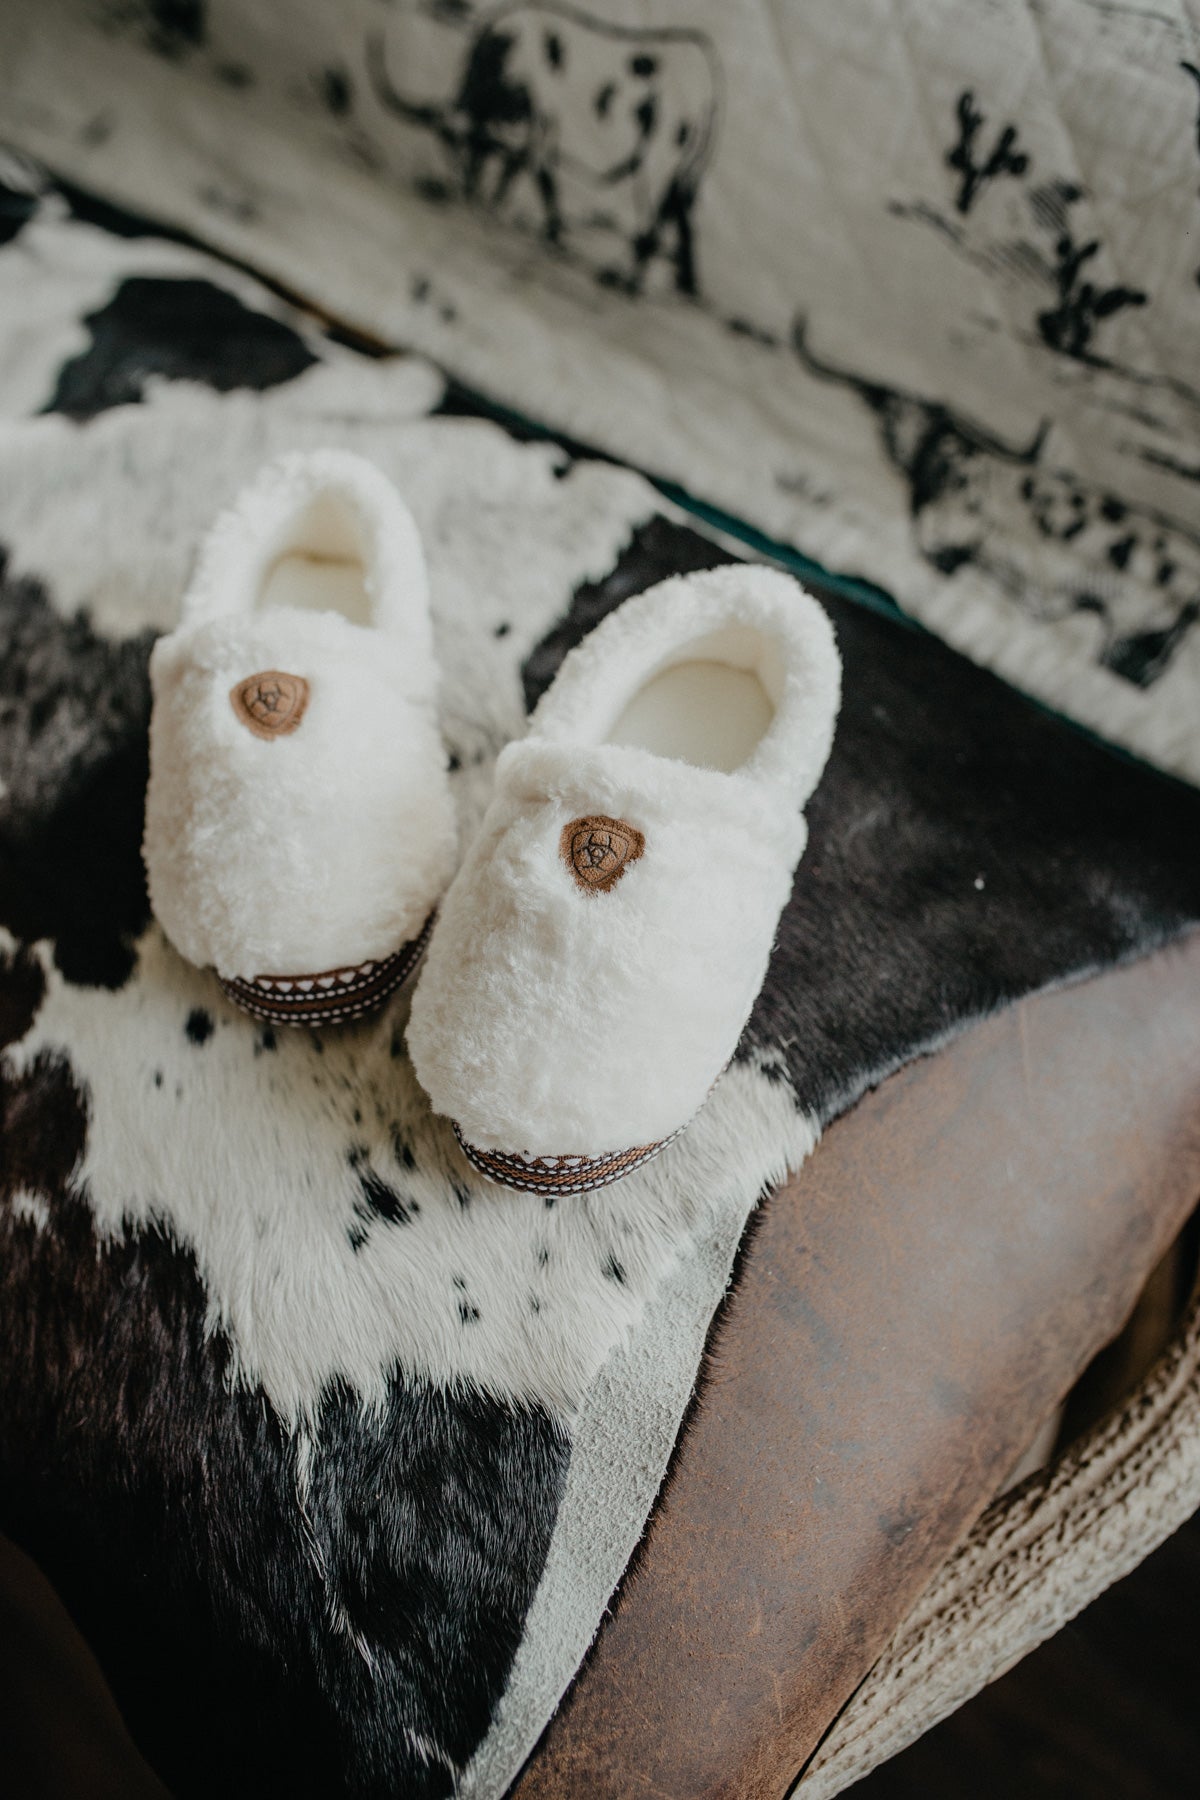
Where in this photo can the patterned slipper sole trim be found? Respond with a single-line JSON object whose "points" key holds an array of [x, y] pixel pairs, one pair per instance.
{"points": [[332, 998], [559, 1174]]}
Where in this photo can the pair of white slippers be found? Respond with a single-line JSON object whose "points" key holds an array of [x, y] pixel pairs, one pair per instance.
{"points": [[591, 965]]}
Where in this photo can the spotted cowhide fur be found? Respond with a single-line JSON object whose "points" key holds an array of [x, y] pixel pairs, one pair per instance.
{"points": [[287, 1397]]}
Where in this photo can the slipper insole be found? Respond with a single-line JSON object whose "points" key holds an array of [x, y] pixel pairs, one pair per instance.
{"points": [[318, 584], [705, 713]]}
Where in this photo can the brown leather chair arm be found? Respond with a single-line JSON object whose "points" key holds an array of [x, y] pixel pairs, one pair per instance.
{"points": [[909, 1308]]}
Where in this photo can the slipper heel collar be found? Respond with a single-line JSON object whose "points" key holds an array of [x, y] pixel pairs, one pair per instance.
{"points": [[267, 516], [756, 618]]}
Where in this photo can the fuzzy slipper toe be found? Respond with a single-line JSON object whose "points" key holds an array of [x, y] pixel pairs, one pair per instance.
{"points": [[597, 956]]}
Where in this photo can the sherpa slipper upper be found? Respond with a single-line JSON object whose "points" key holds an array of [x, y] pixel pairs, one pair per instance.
{"points": [[299, 825], [597, 956]]}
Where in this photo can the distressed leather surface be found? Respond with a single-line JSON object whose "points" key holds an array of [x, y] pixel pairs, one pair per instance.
{"points": [[927, 1288]]}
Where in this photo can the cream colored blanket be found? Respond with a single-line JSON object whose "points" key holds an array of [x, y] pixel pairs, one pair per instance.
{"points": [[914, 288]]}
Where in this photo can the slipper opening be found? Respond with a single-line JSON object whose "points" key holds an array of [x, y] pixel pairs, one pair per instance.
{"points": [[324, 567], [712, 706]]}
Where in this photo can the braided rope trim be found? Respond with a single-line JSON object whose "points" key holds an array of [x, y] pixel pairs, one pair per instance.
{"points": [[553, 1175], [333, 997]]}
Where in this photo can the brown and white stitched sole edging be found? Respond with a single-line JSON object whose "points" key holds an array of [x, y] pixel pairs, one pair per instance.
{"points": [[334, 997], [552, 1175]]}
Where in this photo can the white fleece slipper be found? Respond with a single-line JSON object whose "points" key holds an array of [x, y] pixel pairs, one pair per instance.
{"points": [[599, 951], [299, 825]]}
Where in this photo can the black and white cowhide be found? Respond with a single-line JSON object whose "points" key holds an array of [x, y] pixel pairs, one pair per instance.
{"points": [[291, 1404]]}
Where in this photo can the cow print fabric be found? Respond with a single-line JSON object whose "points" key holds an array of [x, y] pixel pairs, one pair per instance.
{"points": [[301, 1509]]}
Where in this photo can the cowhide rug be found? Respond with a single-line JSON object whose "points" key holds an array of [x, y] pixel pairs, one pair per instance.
{"points": [[335, 1453]]}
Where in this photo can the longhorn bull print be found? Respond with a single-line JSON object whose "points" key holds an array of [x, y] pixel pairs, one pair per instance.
{"points": [[609, 127], [1056, 545]]}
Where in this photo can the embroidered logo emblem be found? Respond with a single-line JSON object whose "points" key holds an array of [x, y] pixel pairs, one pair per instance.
{"points": [[271, 703], [598, 851]]}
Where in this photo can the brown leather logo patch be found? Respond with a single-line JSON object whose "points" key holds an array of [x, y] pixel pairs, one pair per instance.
{"points": [[598, 851], [271, 703]]}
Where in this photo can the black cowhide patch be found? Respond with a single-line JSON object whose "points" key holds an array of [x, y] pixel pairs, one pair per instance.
{"points": [[74, 711], [183, 328], [965, 847], [272, 1622]]}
